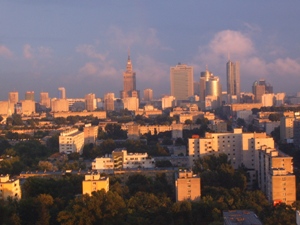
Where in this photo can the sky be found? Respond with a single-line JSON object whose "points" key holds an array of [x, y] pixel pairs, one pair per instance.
{"points": [[82, 45]]}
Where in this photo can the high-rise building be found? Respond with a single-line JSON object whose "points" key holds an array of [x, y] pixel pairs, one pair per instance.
{"points": [[182, 83], [129, 82], [109, 101], [90, 102], [148, 94], [62, 93], [44, 99], [259, 88], [13, 97], [131, 103], [29, 95], [233, 79], [204, 76], [59, 105]]}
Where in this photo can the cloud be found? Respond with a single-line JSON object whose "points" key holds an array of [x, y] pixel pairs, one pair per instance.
{"points": [[5, 52], [36, 53], [90, 51], [255, 63], [27, 51]]}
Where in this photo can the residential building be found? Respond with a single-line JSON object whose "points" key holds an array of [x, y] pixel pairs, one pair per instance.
{"points": [[94, 182], [109, 101], [241, 148], [167, 102], [233, 79], [90, 134], [275, 176], [71, 141], [182, 83], [25, 107], [287, 127], [90, 102], [296, 133], [9, 187], [59, 105], [188, 186]]}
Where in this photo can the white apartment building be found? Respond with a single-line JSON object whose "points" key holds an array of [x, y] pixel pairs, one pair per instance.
{"points": [[241, 148], [120, 159], [71, 140]]}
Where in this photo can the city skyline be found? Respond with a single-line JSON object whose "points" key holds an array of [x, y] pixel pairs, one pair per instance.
{"points": [[82, 46]]}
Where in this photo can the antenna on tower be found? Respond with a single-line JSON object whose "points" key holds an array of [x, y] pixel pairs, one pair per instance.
{"points": [[228, 56], [128, 53], [206, 67]]}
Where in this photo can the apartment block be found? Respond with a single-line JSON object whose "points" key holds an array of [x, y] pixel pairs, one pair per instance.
{"points": [[90, 134], [275, 176], [71, 141], [94, 182], [287, 127], [241, 148], [187, 186], [9, 187]]}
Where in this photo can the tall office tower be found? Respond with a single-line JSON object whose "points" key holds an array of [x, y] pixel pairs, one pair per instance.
{"points": [[90, 102], [204, 76], [148, 94], [29, 95], [182, 82], [213, 92], [297, 132], [13, 97], [129, 81], [197, 88], [109, 101], [62, 93], [259, 88], [233, 79], [44, 99]]}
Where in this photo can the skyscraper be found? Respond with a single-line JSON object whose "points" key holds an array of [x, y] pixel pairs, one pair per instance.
{"points": [[148, 94], [62, 92], [204, 77], [13, 97], [233, 79], [129, 81], [29, 95], [182, 82]]}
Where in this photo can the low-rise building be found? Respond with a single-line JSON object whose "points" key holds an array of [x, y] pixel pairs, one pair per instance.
{"points": [[9, 187], [94, 182], [187, 186], [236, 217]]}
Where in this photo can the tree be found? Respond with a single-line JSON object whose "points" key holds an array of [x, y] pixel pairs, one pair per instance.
{"points": [[274, 117]]}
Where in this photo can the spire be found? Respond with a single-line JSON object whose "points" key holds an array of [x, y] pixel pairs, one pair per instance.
{"points": [[129, 65]]}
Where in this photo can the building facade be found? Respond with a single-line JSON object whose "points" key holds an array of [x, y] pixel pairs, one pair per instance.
{"points": [[182, 81], [233, 79], [71, 141], [188, 186], [9, 187], [94, 182]]}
